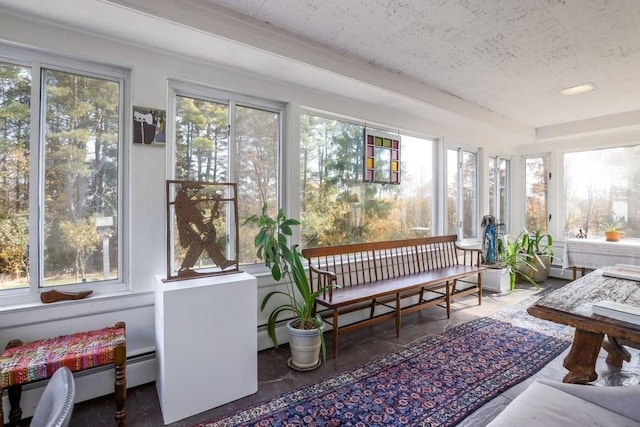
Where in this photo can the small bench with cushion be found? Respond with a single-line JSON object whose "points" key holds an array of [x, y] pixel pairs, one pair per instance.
{"points": [[23, 363], [368, 275]]}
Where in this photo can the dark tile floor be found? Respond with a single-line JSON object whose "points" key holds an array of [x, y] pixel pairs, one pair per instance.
{"points": [[276, 378]]}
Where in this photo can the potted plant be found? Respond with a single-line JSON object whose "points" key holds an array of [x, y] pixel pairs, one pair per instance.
{"points": [[514, 257], [539, 246], [306, 327], [611, 233]]}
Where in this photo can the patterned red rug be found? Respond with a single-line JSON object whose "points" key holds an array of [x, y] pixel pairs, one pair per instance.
{"points": [[437, 381]]}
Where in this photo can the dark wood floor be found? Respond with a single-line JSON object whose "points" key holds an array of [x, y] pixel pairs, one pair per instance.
{"points": [[276, 378]]}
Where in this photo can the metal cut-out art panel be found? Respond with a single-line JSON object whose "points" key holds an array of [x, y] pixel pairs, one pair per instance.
{"points": [[202, 229]]}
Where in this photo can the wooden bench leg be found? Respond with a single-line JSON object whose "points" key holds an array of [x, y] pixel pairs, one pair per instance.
{"points": [[479, 288], [14, 393], [334, 335], [398, 314], [447, 297], [15, 413], [120, 393]]}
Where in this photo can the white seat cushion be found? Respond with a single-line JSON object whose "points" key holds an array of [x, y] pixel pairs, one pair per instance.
{"points": [[542, 404]]}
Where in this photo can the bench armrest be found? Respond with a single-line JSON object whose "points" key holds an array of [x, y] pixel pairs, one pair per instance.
{"points": [[471, 253], [325, 279]]}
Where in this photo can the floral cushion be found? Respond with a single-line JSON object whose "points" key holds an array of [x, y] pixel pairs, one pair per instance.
{"points": [[38, 360]]}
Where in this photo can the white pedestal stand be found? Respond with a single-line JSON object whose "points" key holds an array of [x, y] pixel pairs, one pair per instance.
{"points": [[206, 343], [495, 280]]}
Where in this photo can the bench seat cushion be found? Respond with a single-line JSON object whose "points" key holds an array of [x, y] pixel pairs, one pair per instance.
{"points": [[381, 288], [38, 360]]}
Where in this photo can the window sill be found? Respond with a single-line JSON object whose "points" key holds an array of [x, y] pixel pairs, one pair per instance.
{"points": [[34, 312]]}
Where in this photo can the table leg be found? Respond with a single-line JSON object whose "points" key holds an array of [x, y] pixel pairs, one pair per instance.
{"points": [[581, 360], [617, 353]]}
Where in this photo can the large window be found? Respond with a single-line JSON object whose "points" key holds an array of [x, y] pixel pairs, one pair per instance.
{"points": [[338, 207], [499, 189], [237, 140], [602, 188], [462, 193], [62, 152], [536, 193]]}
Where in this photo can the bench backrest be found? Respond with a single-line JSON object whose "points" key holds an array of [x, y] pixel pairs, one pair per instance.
{"points": [[361, 263]]}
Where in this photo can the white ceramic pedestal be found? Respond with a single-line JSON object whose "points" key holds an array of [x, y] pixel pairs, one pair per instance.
{"points": [[206, 343], [495, 280]]}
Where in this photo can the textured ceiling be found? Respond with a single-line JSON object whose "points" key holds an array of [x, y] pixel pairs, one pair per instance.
{"points": [[508, 56]]}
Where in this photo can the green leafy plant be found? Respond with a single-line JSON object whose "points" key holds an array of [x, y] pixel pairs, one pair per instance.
{"points": [[538, 243], [514, 257], [271, 242], [539, 247], [611, 228]]}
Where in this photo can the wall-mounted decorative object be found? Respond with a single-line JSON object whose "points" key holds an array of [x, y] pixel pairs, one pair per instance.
{"points": [[202, 229], [149, 126], [381, 157]]}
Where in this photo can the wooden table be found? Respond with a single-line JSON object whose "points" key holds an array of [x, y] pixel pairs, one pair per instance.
{"points": [[572, 305]]}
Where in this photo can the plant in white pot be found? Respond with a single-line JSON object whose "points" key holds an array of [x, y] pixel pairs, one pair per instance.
{"points": [[515, 259], [306, 327], [539, 246]]}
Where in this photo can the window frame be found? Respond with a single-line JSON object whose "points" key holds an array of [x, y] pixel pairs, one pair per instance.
{"points": [[231, 100], [496, 190], [459, 202], [546, 157], [38, 62], [349, 120]]}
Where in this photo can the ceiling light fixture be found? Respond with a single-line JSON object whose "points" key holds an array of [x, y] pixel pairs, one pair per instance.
{"points": [[575, 90]]}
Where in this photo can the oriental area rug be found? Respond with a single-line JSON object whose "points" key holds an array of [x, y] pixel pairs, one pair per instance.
{"points": [[437, 381]]}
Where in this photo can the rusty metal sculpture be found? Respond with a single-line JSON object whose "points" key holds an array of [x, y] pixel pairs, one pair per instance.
{"points": [[202, 214]]}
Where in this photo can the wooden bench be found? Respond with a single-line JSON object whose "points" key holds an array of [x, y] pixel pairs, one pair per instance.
{"points": [[22, 363], [368, 275]]}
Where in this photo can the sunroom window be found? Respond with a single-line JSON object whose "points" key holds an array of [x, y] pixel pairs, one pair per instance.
{"points": [[339, 207], [61, 150], [222, 137]]}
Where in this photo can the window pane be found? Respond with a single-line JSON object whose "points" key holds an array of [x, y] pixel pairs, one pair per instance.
{"points": [[81, 178], [257, 135], [536, 172], [202, 140], [15, 92], [602, 187], [503, 191], [203, 148], [470, 195], [452, 192], [498, 188], [492, 187], [338, 207]]}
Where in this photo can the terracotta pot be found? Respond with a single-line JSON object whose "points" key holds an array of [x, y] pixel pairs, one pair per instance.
{"points": [[612, 236]]}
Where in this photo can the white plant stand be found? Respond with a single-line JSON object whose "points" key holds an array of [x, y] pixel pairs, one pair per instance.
{"points": [[206, 343], [496, 280]]}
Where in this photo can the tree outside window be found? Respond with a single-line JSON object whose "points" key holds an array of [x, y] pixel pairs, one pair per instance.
{"points": [[80, 156], [602, 189], [230, 142], [338, 207]]}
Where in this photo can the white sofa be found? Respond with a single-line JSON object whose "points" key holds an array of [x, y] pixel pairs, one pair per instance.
{"points": [[551, 403]]}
